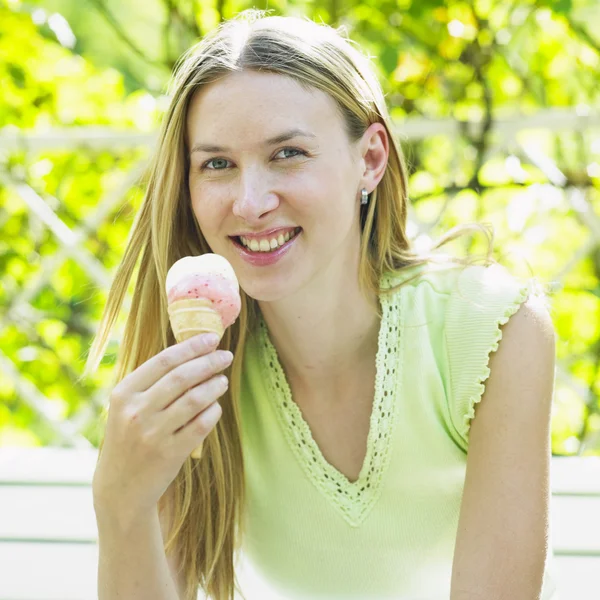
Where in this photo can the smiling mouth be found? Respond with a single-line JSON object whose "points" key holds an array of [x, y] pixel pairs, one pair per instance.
{"points": [[266, 246]]}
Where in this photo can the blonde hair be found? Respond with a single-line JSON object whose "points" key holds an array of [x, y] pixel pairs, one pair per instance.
{"points": [[206, 499]]}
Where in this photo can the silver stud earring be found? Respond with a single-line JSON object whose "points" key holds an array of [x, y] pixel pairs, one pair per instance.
{"points": [[364, 196]]}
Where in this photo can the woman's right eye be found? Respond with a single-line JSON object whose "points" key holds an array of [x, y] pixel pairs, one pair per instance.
{"points": [[215, 161]]}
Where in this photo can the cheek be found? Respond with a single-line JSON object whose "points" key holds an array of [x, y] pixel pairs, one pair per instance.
{"points": [[336, 185], [208, 203]]}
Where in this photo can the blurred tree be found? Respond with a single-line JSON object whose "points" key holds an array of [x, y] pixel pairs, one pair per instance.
{"points": [[479, 64]]}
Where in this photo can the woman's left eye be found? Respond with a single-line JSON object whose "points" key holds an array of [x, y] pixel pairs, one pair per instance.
{"points": [[297, 152]]}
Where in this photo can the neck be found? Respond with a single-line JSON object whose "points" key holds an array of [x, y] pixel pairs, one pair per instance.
{"points": [[327, 337]]}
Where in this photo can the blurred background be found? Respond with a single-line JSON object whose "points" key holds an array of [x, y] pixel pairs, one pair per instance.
{"points": [[495, 104]]}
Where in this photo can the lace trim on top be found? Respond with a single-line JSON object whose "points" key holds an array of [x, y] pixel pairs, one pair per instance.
{"points": [[477, 388], [353, 500]]}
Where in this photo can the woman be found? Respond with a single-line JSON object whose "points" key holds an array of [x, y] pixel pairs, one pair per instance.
{"points": [[337, 458]]}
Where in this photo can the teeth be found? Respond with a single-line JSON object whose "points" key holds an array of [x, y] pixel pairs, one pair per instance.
{"points": [[266, 245]]}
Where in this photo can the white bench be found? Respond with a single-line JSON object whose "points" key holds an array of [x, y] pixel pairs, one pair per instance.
{"points": [[48, 535]]}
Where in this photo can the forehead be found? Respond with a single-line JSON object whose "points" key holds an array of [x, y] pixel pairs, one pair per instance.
{"points": [[253, 106]]}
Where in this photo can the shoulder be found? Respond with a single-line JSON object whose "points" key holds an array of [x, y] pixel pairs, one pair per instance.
{"points": [[490, 313], [526, 349], [444, 277], [448, 290], [471, 284]]}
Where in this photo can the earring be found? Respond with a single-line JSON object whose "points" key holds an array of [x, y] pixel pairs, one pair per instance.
{"points": [[364, 196]]}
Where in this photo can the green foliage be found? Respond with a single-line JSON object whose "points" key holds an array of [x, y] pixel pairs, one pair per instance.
{"points": [[108, 65]]}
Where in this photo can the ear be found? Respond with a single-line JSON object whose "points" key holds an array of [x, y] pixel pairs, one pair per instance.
{"points": [[375, 149]]}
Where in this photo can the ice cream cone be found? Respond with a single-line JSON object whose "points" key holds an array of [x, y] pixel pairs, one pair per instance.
{"points": [[197, 452], [190, 317]]}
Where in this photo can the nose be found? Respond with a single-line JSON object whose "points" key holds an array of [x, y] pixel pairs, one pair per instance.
{"points": [[254, 198]]}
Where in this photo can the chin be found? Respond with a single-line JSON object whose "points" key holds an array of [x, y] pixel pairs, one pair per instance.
{"points": [[265, 293], [271, 287]]}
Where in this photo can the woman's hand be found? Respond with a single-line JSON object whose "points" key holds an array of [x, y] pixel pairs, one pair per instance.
{"points": [[158, 415]]}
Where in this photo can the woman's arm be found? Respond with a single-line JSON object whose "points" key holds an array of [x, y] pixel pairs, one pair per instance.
{"points": [[132, 563], [502, 540]]}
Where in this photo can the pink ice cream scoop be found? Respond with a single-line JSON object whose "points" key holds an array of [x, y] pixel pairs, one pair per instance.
{"points": [[208, 276]]}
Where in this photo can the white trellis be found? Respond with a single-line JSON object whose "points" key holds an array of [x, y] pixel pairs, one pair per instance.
{"points": [[504, 135]]}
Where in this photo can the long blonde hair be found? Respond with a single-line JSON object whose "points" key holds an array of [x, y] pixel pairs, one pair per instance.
{"points": [[206, 498]]}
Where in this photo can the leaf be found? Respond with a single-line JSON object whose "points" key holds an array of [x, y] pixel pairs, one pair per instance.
{"points": [[389, 59], [563, 6]]}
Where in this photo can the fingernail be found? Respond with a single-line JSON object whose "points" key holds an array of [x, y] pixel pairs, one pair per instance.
{"points": [[211, 339]]}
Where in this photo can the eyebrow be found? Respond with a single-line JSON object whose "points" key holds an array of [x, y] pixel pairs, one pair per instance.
{"points": [[282, 137]]}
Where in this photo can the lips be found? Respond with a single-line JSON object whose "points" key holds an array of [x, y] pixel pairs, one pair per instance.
{"points": [[264, 259], [266, 235], [273, 234]]}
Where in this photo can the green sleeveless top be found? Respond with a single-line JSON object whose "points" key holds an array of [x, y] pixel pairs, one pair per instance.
{"points": [[310, 532]]}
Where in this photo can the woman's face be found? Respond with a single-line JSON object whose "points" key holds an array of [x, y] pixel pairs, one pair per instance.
{"points": [[269, 158]]}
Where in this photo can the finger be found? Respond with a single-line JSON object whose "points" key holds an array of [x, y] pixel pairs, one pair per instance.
{"points": [[185, 377], [196, 431], [196, 400], [147, 374]]}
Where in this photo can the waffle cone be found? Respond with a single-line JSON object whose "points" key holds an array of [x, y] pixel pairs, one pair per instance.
{"points": [[197, 452], [190, 317]]}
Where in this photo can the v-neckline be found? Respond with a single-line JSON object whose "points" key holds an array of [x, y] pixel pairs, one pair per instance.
{"points": [[352, 500]]}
